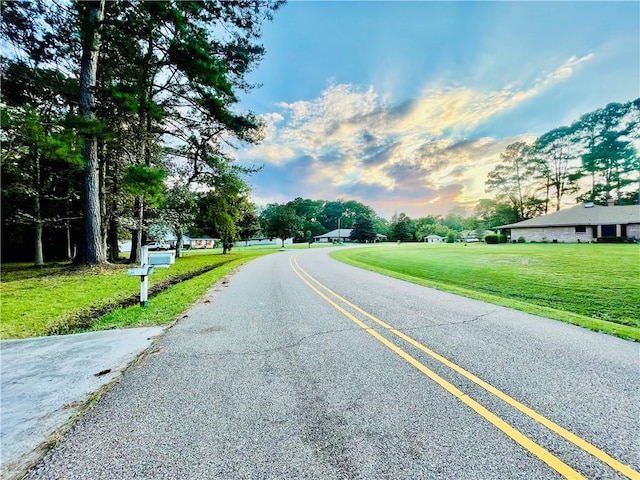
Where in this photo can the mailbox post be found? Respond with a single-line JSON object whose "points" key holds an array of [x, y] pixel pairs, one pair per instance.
{"points": [[148, 262]]}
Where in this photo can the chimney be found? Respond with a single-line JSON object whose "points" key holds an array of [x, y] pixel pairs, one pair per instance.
{"points": [[611, 202]]}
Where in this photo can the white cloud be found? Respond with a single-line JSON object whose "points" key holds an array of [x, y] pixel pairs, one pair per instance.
{"points": [[351, 136]]}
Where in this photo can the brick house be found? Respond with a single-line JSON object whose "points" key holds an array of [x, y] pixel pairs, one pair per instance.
{"points": [[583, 223]]}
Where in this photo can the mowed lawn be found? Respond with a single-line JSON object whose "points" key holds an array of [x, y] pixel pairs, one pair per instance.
{"points": [[594, 285], [58, 298]]}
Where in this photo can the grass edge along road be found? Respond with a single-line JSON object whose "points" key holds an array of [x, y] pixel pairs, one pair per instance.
{"points": [[341, 304], [525, 277], [64, 299]]}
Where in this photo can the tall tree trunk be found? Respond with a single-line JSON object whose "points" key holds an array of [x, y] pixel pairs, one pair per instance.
{"points": [[137, 234], [102, 176], [112, 233], [38, 259], [67, 223], [179, 241], [112, 213], [67, 228], [91, 13]]}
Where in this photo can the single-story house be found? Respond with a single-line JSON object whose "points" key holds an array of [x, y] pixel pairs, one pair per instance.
{"points": [[583, 223], [204, 242], [171, 239], [189, 242], [263, 241], [342, 235], [434, 239], [471, 236]]}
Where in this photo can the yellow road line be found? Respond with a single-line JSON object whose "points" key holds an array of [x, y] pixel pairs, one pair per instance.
{"points": [[543, 454], [564, 433]]}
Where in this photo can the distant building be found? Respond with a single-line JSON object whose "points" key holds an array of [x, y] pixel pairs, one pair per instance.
{"points": [[342, 235], [434, 239], [583, 223], [263, 241]]}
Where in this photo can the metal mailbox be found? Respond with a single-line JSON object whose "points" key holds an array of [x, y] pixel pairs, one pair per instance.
{"points": [[162, 259], [149, 262], [140, 272]]}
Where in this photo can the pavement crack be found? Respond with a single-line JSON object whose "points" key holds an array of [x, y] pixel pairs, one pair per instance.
{"points": [[287, 346], [445, 324]]}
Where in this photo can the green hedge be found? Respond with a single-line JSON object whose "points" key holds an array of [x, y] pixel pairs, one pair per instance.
{"points": [[612, 240], [495, 238]]}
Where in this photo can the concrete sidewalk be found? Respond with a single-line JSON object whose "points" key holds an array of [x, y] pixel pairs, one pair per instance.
{"points": [[45, 380]]}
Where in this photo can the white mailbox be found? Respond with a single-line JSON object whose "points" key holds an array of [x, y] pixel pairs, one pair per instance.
{"points": [[162, 260], [149, 261], [139, 272]]}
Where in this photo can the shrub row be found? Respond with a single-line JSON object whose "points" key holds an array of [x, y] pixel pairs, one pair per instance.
{"points": [[495, 238]]}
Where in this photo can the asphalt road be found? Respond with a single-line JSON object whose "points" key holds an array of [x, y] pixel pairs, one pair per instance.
{"points": [[273, 376]]}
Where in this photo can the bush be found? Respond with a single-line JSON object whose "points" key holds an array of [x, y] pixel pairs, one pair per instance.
{"points": [[495, 238], [522, 240], [612, 240]]}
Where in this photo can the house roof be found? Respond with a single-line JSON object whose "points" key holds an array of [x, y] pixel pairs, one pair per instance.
{"points": [[583, 215], [344, 232], [433, 236]]}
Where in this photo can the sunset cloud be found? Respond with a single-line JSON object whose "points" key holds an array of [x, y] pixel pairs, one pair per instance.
{"points": [[422, 154]]}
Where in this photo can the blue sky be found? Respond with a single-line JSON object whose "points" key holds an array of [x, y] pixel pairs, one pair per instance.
{"points": [[406, 106]]}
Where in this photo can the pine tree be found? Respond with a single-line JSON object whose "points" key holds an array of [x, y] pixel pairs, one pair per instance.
{"points": [[363, 230]]}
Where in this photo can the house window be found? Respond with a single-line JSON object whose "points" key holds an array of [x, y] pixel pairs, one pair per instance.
{"points": [[581, 229], [623, 230]]}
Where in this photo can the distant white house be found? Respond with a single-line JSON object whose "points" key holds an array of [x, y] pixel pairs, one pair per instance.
{"points": [[337, 235], [434, 239], [170, 239], [471, 236], [263, 241]]}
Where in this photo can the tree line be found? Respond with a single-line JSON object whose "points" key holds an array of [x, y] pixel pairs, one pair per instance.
{"points": [[116, 114], [303, 219], [595, 159]]}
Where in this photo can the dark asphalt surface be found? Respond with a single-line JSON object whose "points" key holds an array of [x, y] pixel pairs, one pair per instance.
{"points": [[264, 379]]}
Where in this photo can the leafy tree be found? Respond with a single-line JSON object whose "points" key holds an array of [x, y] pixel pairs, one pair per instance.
{"points": [[492, 213], [609, 159], [346, 211], [249, 223], [38, 158], [222, 208], [381, 225], [309, 210], [553, 156], [511, 179], [178, 212], [402, 228], [363, 230], [280, 221]]}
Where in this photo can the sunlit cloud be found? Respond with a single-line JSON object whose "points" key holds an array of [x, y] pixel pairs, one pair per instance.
{"points": [[419, 156]]}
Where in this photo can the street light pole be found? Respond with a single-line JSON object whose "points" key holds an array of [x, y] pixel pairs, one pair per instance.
{"points": [[339, 229]]}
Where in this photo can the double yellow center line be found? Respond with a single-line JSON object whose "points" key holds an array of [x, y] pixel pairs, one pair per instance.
{"points": [[539, 451]]}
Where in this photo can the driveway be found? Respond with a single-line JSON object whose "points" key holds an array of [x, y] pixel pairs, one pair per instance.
{"points": [[46, 380]]}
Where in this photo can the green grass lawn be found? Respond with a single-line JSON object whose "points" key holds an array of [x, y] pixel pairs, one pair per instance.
{"points": [[61, 298], [593, 285]]}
